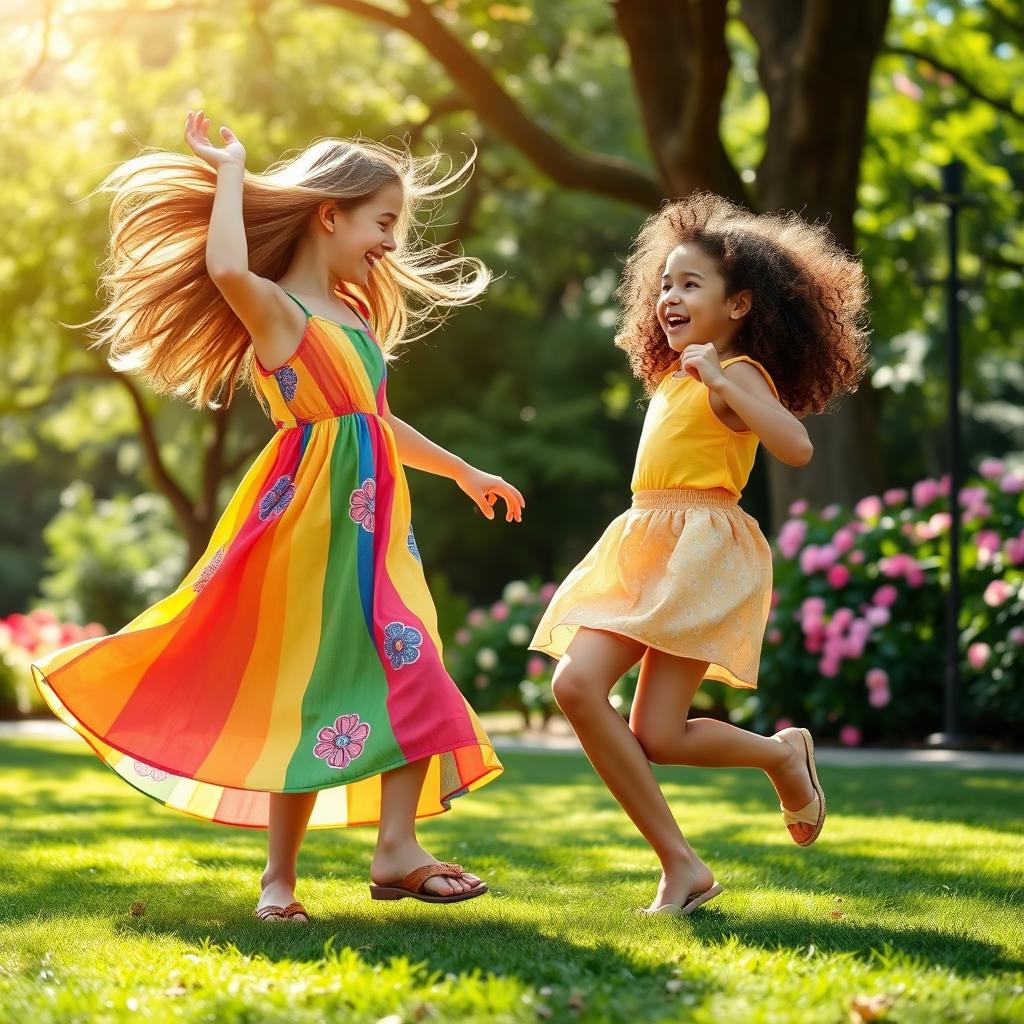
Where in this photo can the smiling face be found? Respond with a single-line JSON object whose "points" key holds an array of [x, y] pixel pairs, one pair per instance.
{"points": [[363, 235], [692, 306]]}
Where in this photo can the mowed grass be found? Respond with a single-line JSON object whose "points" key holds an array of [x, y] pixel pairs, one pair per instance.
{"points": [[913, 895]]}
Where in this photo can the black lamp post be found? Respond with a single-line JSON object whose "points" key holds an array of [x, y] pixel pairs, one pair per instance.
{"points": [[951, 195]]}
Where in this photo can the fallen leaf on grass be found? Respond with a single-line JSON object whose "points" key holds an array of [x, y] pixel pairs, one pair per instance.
{"points": [[137, 909], [864, 1009]]}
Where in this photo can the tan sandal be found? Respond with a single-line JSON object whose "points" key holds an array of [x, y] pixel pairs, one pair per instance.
{"points": [[289, 913], [675, 910], [812, 813], [412, 885]]}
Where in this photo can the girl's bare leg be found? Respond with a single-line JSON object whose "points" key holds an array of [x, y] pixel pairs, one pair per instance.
{"points": [[289, 815], [658, 720], [398, 852], [593, 663]]}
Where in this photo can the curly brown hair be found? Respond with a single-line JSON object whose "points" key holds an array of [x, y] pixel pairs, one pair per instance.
{"points": [[807, 321]]}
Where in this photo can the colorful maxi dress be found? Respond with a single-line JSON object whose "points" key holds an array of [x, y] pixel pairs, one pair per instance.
{"points": [[301, 653]]}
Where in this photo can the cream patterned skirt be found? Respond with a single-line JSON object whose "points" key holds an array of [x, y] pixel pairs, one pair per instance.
{"points": [[685, 571]]}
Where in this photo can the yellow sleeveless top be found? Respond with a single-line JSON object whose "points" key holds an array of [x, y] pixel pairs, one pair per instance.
{"points": [[684, 444]]}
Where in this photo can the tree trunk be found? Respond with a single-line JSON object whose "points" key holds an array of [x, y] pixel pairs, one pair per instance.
{"points": [[815, 66]]}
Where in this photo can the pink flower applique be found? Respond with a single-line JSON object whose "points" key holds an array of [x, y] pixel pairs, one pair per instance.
{"points": [[362, 505], [341, 745]]}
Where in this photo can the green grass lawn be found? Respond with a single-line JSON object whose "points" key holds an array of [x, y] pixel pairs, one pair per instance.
{"points": [[914, 892]]}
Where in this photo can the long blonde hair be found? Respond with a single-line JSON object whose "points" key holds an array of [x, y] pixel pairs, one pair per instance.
{"points": [[166, 320]]}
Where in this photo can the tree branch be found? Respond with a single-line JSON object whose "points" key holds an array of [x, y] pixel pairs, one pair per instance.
{"points": [[572, 168], [955, 73], [680, 65], [1006, 19], [165, 483]]}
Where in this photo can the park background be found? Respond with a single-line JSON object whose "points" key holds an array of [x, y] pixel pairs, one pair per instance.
{"points": [[586, 115]]}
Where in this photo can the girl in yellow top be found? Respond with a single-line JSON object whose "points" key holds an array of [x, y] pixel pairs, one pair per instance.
{"points": [[737, 325]]}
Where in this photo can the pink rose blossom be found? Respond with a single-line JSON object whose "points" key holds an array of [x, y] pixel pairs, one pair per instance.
{"points": [[885, 596], [876, 677], [843, 617], [829, 512], [944, 485], [813, 643], [895, 496], [914, 575], [991, 469], [856, 558], [535, 666], [1015, 551], [924, 492], [774, 636], [798, 508], [853, 647], [499, 611], [783, 723], [547, 592], [1012, 483], [988, 540], [776, 597], [878, 698], [978, 655], [814, 605], [869, 508], [849, 736], [462, 636], [838, 576], [843, 540], [877, 616], [791, 537], [1016, 636], [996, 593], [476, 617], [829, 667]]}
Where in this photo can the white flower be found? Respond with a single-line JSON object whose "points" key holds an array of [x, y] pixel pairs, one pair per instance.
{"points": [[515, 592], [487, 659], [519, 634]]}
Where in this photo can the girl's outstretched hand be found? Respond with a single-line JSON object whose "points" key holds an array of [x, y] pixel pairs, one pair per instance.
{"points": [[196, 127], [700, 362], [485, 489]]}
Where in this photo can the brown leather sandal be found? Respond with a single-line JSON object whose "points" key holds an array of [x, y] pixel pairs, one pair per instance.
{"points": [[289, 913], [412, 885]]}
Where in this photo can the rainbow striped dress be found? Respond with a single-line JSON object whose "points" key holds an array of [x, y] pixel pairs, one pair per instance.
{"points": [[301, 652]]}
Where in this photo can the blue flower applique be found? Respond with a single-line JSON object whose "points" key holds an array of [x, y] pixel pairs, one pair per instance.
{"points": [[287, 381], [277, 499], [401, 644]]}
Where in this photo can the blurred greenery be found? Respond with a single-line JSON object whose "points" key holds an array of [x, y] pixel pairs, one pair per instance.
{"points": [[528, 384]]}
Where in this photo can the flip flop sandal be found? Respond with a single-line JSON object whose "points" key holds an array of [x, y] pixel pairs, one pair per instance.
{"points": [[412, 885], [812, 813], [289, 913], [675, 910]]}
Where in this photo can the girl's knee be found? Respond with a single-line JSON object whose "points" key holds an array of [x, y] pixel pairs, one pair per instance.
{"points": [[659, 744], [570, 689]]}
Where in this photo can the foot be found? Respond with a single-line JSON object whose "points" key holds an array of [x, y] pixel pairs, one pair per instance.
{"points": [[279, 892], [392, 863], [680, 882], [792, 781]]}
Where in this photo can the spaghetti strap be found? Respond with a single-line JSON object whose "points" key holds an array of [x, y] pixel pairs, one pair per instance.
{"points": [[297, 303], [357, 307]]}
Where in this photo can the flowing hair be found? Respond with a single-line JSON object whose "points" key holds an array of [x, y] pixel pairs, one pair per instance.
{"points": [[806, 324], [165, 319]]}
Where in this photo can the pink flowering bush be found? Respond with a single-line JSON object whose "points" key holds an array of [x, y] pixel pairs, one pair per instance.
{"points": [[23, 638], [488, 655], [855, 645]]}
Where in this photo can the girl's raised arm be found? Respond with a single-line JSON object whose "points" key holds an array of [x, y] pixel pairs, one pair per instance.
{"points": [[259, 303]]}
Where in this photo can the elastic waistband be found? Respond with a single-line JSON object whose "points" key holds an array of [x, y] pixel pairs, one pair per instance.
{"points": [[293, 424], [685, 497]]}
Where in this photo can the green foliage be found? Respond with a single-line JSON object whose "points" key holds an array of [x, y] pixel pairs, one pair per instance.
{"points": [[110, 558]]}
